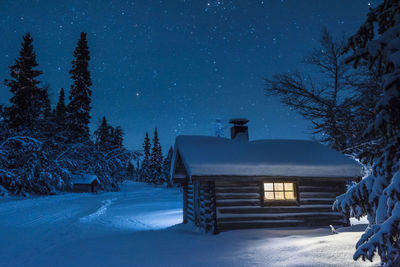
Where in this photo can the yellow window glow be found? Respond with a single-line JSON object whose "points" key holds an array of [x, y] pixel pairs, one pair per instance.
{"points": [[278, 186], [279, 191], [268, 186], [269, 195], [289, 195], [289, 187], [279, 195]]}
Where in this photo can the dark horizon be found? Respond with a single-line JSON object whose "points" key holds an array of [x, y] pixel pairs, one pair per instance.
{"points": [[180, 65]]}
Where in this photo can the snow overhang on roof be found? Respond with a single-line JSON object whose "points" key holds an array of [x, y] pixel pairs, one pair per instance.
{"points": [[215, 156], [84, 179]]}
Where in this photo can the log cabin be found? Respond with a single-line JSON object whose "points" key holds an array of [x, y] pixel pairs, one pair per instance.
{"points": [[82, 183], [237, 184]]}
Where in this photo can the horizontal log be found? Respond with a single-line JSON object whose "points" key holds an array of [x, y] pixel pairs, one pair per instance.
{"points": [[190, 213], [287, 223], [333, 189], [237, 196], [261, 224], [320, 183], [235, 184], [316, 201], [251, 189], [283, 209], [232, 203], [317, 195], [284, 216], [190, 209], [232, 186], [190, 217]]}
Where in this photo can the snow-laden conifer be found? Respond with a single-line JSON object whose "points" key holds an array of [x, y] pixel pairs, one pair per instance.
{"points": [[80, 93], [377, 43], [29, 102], [156, 161]]}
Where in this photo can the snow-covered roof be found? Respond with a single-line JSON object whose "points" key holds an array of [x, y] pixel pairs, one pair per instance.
{"points": [[215, 156], [84, 178]]}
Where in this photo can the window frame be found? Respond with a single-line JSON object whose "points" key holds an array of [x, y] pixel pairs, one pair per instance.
{"points": [[280, 202]]}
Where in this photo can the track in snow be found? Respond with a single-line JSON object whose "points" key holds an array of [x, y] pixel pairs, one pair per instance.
{"points": [[99, 212]]}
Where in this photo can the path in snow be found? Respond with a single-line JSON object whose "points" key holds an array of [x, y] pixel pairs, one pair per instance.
{"points": [[140, 226], [99, 212]]}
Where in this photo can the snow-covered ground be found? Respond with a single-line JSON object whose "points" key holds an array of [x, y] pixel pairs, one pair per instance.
{"points": [[141, 226]]}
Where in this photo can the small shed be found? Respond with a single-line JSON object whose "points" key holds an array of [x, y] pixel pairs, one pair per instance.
{"points": [[85, 183], [236, 183]]}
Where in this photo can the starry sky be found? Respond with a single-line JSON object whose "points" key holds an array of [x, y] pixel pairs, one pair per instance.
{"points": [[177, 64]]}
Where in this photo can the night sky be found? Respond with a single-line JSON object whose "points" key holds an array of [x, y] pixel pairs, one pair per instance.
{"points": [[179, 64]]}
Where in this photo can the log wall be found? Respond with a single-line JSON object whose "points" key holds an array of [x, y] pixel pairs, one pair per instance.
{"points": [[239, 205], [199, 205], [188, 208]]}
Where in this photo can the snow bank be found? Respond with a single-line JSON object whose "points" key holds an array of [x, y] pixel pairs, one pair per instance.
{"points": [[205, 155]]}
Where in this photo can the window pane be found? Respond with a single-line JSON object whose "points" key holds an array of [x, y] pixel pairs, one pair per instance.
{"points": [[289, 187], [269, 196], [279, 196], [278, 186], [289, 196], [268, 186]]}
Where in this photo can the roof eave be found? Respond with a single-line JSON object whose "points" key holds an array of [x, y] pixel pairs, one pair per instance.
{"points": [[261, 177]]}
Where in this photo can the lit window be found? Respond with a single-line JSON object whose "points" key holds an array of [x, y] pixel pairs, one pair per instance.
{"points": [[279, 191]]}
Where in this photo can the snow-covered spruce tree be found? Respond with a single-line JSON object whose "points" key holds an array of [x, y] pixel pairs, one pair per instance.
{"points": [[27, 148], [103, 135], [145, 172], [166, 168], [156, 161], [59, 118], [117, 137], [61, 110], [29, 102], [377, 43], [80, 93]]}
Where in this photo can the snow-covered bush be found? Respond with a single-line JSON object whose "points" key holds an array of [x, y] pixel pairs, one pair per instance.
{"points": [[25, 167], [3, 192], [377, 43]]}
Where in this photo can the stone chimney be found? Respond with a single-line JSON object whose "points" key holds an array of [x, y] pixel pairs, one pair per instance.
{"points": [[239, 129]]}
